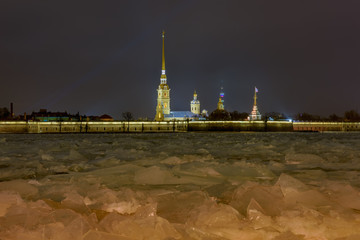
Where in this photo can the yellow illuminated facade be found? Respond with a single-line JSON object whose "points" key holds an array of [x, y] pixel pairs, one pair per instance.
{"points": [[255, 114], [220, 105], [195, 105], [163, 100]]}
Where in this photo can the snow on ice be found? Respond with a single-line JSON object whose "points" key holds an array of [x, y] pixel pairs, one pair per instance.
{"points": [[180, 186]]}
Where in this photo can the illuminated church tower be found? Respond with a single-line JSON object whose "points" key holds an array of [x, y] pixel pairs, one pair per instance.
{"points": [[220, 105], [195, 105], [255, 114], [163, 91]]}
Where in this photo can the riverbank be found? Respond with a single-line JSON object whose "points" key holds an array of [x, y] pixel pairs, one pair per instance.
{"points": [[173, 126]]}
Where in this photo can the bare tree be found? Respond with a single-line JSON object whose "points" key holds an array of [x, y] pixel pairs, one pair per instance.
{"points": [[127, 116]]}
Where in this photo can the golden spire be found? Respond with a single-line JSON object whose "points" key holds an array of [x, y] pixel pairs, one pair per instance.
{"points": [[163, 51], [163, 75], [255, 97]]}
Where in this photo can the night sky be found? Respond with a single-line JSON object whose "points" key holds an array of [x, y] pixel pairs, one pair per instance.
{"points": [[97, 57]]}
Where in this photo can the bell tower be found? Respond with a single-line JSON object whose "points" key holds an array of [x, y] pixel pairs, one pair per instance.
{"points": [[220, 105], [163, 91], [195, 105]]}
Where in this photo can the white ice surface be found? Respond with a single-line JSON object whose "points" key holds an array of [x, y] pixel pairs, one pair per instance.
{"points": [[180, 186]]}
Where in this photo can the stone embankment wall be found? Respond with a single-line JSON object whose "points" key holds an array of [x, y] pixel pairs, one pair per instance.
{"points": [[90, 127], [177, 126], [326, 126], [238, 126]]}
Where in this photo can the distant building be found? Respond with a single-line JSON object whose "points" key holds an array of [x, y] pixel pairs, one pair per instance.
{"points": [[163, 91], [44, 116], [181, 115], [255, 114], [220, 105], [163, 112], [106, 117], [195, 105]]}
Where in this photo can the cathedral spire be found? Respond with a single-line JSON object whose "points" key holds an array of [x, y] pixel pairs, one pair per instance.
{"points": [[255, 114], [163, 75], [255, 97], [163, 91]]}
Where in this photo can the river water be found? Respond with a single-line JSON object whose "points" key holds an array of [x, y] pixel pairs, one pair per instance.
{"points": [[180, 186]]}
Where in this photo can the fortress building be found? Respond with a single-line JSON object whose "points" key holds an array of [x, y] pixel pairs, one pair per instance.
{"points": [[163, 112], [195, 105], [163, 91], [220, 105], [255, 114]]}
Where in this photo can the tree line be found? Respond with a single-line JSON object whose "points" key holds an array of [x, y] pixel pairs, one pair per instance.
{"points": [[223, 115], [349, 116]]}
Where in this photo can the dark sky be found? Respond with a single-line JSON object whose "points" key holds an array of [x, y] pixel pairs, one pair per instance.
{"points": [[97, 57]]}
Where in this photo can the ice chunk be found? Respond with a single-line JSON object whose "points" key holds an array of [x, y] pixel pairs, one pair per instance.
{"points": [[144, 224], [74, 230], [46, 156], [256, 215], [107, 161], [75, 201], [176, 207], [172, 161], [289, 184], [8, 199], [75, 155], [97, 235], [152, 175], [202, 151], [344, 194], [215, 216], [304, 159], [121, 207], [289, 236], [270, 198], [25, 189], [108, 200]]}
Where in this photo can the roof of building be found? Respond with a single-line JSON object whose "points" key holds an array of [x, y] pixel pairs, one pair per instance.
{"points": [[180, 114], [105, 117]]}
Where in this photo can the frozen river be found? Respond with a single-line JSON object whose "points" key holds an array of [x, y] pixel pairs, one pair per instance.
{"points": [[279, 186]]}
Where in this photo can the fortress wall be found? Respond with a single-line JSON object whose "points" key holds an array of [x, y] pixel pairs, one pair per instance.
{"points": [[13, 127], [225, 126], [177, 126], [238, 126], [351, 126], [91, 127], [279, 126], [326, 126]]}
